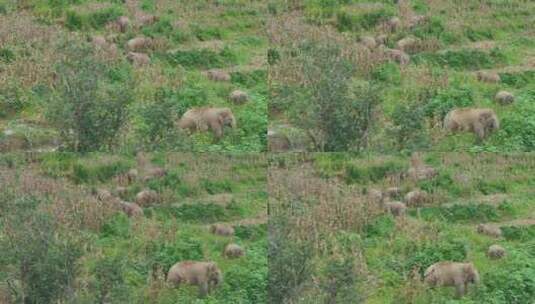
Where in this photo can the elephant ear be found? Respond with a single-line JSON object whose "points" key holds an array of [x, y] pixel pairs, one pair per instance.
{"points": [[471, 273], [213, 273]]}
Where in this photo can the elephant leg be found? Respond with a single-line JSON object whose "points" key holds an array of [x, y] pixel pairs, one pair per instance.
{"points": [[203, 289], [217, 129]]}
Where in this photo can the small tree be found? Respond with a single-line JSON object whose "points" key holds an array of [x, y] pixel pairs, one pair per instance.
{"points": [[42, 260], [88, 112], [289, 262], [338, 281], [408, 127], [336, 114]]}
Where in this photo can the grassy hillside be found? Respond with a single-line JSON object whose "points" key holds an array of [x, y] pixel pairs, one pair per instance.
{"points": [[334, 90], [61, 243], [333, 243], [60, 90]]}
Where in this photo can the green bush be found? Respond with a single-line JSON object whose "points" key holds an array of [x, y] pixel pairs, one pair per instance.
{"points": [[466, 59], [217, 186], [491, 187], [438, 106], [3, 8], [433, 28], [58, 164], [273, 56], [408, 130], [519, 233], [75, 20], [201, 59], [117, 226], [337, 113], [184, 247], [443, 181], [338, 279], [429, 253], [161, 28], [371, 173], [89, 173], [290, 262], [6, 55], [251, 232], [39, 256], [514, 282], [381, 226], [387, 72], [518, 125], [247, 282], [110, 282], [349, 21], [171, 180], [518, 80], [204, 33], [249, 79], [200, 213], [13, 99], [461, 213], [147, 5], [155, 122], [477, 35], [88, 112]]}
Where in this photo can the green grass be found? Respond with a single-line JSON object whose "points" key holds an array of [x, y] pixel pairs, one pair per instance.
{"points": [[125, 259], [189, 39], [454, 43], [391, 250]]}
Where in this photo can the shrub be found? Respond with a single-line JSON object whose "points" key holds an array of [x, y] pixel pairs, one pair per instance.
{"points": [[273, 56], [381, 226], [518, 80], [445, 100], [216, 186], [251, 232], [443, 181], [289, 262], [250, 79], [109, 279], [462, 213], [387, 72], [519, 233], [155, 122], [89, 173], [514, 282], [338, 279], [349, 21], [408, 127], [336, 113], [518, 125], [37, 254], [201, 213], [201, 59], [204, 33], [371, 173], [184, 247], [433, 28], [467, 59], [491, 187], [6, 55], [162, 27], [117, 226], [247, 282], [429, 253], [477, 35], [75, 20], [13, 99], [87, 113]]}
